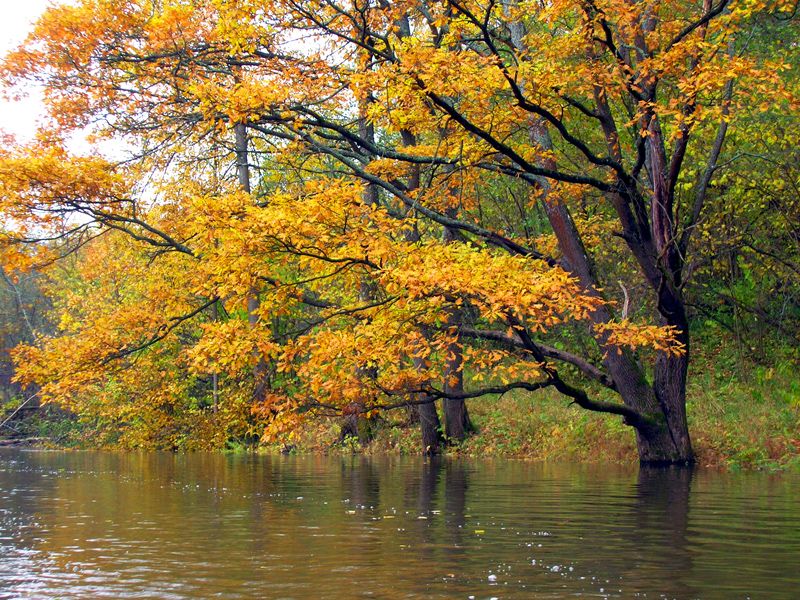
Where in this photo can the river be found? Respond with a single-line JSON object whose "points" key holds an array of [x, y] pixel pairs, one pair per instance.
{"points": [[116, 525]]}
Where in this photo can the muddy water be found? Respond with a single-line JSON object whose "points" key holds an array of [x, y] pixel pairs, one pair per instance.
{"points": [[102, 525]]}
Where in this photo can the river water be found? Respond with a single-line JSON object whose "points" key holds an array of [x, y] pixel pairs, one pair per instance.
{"points": [[107, 525]]}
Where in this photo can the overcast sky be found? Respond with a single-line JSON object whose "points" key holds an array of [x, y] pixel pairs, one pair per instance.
{"points": [[16, 20]]}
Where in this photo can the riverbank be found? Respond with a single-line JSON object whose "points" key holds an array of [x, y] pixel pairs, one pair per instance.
{"points": [[742, 416]]}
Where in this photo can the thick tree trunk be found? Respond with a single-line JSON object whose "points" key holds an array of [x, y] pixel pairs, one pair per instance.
{"points": [[456, 417], [430, 428], [670, 389], [429, 425], [667, 442], [670, 444]]}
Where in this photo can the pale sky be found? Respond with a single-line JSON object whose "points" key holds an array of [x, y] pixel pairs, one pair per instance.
{"points": [[16, 20]]}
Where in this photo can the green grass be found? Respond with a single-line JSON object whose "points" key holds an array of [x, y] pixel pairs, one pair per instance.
{"points": [[742, 415]]}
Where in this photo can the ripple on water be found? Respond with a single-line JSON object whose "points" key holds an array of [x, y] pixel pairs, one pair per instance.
{"points": [[78, 525]]}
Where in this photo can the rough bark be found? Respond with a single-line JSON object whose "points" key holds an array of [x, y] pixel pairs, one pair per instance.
{"points": [[430, 428], [456, 416]]}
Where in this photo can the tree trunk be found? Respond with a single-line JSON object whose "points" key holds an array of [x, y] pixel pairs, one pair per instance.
{"points": [[667, 442], [456, 418], [429, 425], [671, 443], [430, 428], [253, 302]]}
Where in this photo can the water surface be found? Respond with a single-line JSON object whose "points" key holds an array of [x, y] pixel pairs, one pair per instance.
{"points": [[102, 525]]}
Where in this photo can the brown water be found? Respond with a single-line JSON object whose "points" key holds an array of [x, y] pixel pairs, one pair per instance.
{"points": [[101, 525]]}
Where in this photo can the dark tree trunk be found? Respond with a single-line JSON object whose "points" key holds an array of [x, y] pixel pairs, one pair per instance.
{"points": [[430, 428], [670, 444], [456, 418]]}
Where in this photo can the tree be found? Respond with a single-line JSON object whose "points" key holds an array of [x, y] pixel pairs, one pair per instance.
{"points": [[22, 313], [405, 117]]}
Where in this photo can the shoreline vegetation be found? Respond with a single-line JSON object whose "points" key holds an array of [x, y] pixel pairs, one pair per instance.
{"points": [[742, 416]]}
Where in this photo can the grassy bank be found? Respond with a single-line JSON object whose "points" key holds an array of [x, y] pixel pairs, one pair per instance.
{"points": [[742, 415]]}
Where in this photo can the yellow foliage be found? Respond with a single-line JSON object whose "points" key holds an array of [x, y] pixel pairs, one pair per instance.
{"points": [[375, 143]]}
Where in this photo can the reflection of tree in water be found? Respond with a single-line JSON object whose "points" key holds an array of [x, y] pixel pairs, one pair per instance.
{"points": [[659, 539], [605, 530], [456, 483], [358, 543], [427, 497], [282, 524], [437, 497], [361, 481]]}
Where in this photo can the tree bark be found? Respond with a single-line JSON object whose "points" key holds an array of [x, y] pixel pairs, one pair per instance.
{"points": [[456, 417], [671, 443], [253, 302], [430, 428], [667, 442]]}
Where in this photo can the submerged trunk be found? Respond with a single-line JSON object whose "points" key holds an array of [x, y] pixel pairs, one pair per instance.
{"points": [[670, 444]]}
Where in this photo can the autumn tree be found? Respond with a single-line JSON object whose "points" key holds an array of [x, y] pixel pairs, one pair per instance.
{"points": [[380, 132]]}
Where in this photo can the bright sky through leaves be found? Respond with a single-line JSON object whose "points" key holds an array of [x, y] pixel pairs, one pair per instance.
{"points": [[19, 118]]}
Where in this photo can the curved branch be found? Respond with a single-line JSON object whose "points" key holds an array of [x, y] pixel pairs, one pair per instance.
{"points": [[581, 364], [714, 12], [163, 331], [632, 417]]}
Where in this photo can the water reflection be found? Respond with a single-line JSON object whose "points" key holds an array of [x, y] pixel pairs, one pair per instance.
{"points": [[662, 518], [77, 525]]}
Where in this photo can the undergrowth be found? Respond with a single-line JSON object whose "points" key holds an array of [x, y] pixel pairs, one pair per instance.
{"points": [[742, 415]]}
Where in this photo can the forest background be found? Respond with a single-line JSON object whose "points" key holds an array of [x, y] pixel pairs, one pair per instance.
{"points": [[565, 229]]}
